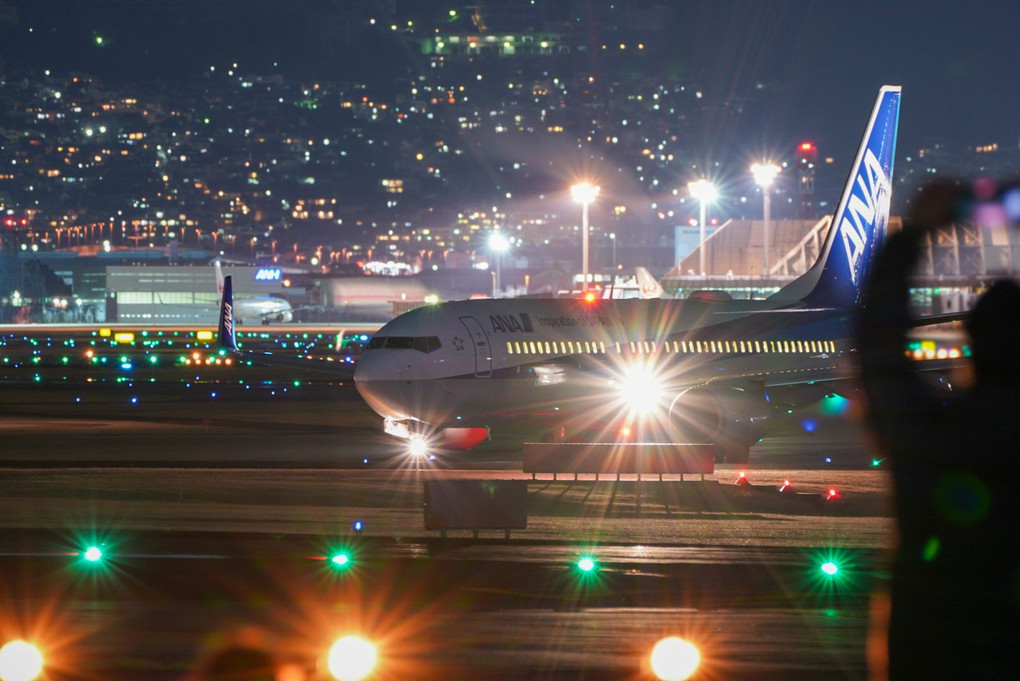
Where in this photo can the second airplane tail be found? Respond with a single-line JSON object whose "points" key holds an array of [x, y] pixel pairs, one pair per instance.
{"points": [[650, 286], [861, 219], [227, 332]]}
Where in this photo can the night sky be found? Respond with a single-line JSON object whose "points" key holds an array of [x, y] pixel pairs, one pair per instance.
{"points": [[955, 61]]}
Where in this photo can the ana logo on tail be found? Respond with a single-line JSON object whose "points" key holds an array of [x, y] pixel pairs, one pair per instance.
{"points": [[869, 200], [228, 338]]}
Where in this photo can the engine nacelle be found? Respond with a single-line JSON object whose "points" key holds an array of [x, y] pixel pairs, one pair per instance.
{"points": [[731, 417], [462, 439], [450, 439]]}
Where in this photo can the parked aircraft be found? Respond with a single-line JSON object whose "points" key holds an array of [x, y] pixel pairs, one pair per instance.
{"points": [[258, 310]]}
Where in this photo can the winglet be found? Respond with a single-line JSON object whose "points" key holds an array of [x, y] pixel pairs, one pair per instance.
{"points": [[859, 225], [228, 337]]}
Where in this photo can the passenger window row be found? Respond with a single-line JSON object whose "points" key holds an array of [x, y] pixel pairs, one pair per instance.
{"points": [[671, 347]]}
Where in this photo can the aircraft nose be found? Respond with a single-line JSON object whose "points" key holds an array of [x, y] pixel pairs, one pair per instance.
{"points": [[380, 387], [367, 368]]}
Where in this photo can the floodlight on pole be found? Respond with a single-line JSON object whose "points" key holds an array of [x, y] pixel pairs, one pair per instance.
{"points": [[499, 245], [584, 193], [705, 192], [764, 175]]}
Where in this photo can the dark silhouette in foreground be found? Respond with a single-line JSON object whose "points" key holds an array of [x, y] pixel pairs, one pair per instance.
{"points": [[954, 608], [239, 664]]}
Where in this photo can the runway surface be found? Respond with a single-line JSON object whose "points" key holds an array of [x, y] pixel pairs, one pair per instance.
{"points": [[218, 498]]}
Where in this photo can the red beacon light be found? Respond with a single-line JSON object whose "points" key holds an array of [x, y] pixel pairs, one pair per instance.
{"points": [[831, 494], [785, 486], [590, 297], [742, 478]]}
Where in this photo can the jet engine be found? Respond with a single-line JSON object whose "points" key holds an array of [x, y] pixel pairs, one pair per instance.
{"points": [[731, 417]]}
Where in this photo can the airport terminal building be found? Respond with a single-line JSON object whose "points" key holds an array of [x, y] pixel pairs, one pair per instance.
{"points": [[164, 294]]}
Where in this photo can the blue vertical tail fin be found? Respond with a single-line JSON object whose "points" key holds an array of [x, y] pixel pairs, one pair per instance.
{"points": [[859, 224], [228, 337]]}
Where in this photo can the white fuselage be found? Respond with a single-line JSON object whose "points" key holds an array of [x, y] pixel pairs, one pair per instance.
{"points": [[477, 363], [262, 310]]}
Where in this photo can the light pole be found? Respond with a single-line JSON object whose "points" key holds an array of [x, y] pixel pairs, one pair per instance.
{"points": [[584, 193], [612, 237], [764, 174], [499, 245], [704, 191]]}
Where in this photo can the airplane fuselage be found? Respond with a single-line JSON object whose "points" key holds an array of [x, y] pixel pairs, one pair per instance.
{"points": [[561, 361], [263, 310]]}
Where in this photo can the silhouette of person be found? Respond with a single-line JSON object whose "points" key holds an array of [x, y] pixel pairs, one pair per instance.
{"points": [[954, 605]]}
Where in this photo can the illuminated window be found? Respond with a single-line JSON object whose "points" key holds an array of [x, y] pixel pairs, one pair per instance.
{"points": [[742, 347], [587, 347], [547, 350], [509, 348], [602, 347], [697, 346], [727, 344], [711, 346], [531, 344]]}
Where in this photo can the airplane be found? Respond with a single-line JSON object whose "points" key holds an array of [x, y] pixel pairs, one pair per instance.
{"points": [[649, 285], [641, 285], [263, 309], [707, 368]]}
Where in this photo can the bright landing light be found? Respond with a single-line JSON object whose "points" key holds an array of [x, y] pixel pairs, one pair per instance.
{"points": [[641, 389], [674, 659], [351, 658], [20, 661], [417, 446]]}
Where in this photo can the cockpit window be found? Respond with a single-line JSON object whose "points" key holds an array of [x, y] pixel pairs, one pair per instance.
{"points": [[425, 344], [399, 343]]}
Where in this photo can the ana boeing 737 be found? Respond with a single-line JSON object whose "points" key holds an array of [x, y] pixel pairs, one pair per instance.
{"points": [[707, 368]]}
